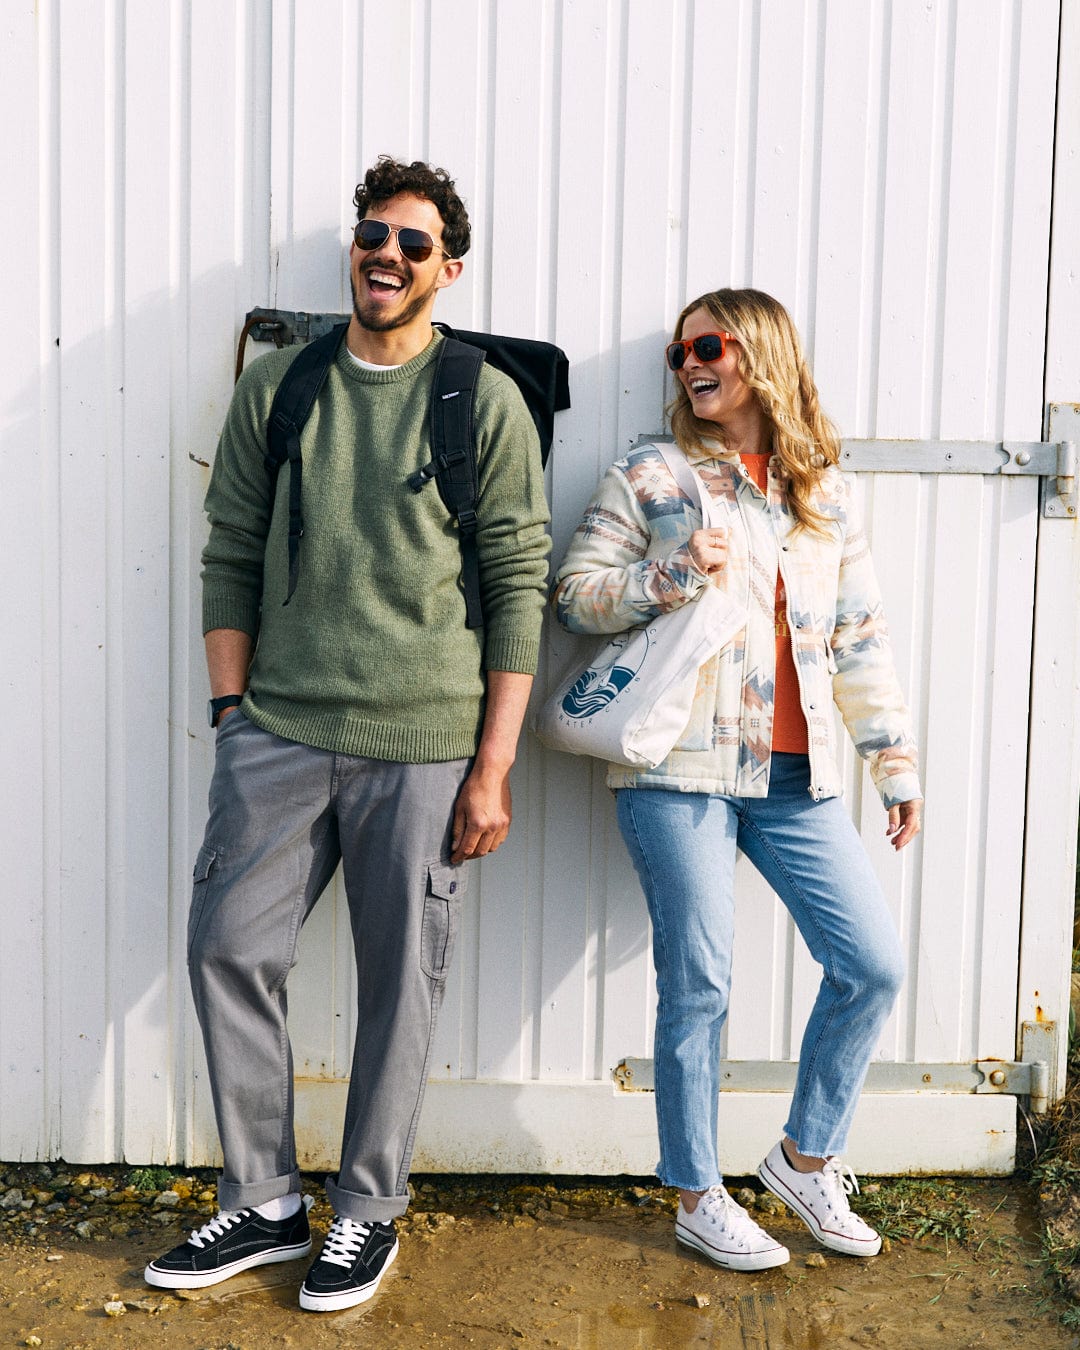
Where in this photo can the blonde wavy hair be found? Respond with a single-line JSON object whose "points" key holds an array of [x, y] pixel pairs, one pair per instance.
{"points": [[770, 359]]}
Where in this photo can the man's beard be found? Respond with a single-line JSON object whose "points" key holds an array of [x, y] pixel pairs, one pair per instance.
{"points": [[380, 323]]}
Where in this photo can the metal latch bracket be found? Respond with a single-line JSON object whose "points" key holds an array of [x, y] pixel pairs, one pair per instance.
{"points": [[1053, 461], [1058, 492], [1027, 1077]]}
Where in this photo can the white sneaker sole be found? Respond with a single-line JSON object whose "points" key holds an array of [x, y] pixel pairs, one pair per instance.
{"points": [[351, 1297], [836, 1242], [778, 1256], [167, 1279]]}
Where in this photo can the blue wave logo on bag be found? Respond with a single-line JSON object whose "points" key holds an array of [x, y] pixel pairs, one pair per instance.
{"points": [[599, 686]]}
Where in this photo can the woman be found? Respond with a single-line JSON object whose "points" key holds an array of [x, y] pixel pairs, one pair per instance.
{"points": [[755, 767]]}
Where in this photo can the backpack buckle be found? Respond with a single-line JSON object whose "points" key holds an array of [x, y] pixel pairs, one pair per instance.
{"points": [[418, 480]]}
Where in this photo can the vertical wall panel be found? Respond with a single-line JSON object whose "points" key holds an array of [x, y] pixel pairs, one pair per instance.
{"points": [[845, 259], [1006, 675], [905, 573], [885, 168], [1025, 350], [783, 222], [722, 133], [88, 908], [1054, 774], [901, 334], [28, 1069], [972, 241], [578, 874], [139, 610]]}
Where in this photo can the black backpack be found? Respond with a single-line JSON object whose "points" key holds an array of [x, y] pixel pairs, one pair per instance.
{"points": [[540, 370]]}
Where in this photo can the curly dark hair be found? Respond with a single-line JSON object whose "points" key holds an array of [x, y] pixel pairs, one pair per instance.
{"points": [[388, 176]]}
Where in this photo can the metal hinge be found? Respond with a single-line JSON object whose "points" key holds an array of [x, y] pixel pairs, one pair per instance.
{"points": [[1059, 497], [1053, 460], [1023, 1078]]}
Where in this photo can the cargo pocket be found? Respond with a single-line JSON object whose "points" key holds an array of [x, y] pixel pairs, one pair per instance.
{"points": [[200, 888], [442, 906]]}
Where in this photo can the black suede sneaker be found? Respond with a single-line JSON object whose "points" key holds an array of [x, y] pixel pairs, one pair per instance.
{"points": [[354, 1258], [229, 1243]]}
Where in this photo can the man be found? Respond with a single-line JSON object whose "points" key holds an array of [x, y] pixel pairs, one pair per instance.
{"points": [[367, 725]]}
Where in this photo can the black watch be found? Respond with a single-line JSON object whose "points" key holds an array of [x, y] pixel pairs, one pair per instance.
{"points": [[217, 706]]}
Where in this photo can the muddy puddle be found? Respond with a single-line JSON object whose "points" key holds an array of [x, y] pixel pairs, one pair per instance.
{"points": [[551, 1265]]}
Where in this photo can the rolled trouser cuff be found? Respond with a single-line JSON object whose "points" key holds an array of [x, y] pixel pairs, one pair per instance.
{"points": [[233, 1195], [365, 1208]]}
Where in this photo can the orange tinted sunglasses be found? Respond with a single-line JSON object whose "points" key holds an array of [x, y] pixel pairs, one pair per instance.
{"points": [[706, 347]]}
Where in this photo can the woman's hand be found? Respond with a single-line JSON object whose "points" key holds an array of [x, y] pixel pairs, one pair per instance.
{"points": [[905, 822], [708, 549]]}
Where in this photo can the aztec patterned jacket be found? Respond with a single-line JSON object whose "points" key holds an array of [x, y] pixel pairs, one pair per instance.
{"points": [[629, 562]]}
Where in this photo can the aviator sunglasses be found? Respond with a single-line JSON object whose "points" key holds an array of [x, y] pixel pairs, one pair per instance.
{"points": [[706, 347], [416, 245]]}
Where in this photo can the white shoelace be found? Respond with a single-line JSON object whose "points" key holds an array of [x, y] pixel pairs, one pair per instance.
{"points": [[344, 1241], [839, 1181], [718, 1206], [218, 1226], [719, 1209], [844, 1180]]}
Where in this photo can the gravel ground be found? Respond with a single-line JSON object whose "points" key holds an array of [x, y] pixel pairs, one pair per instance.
{"points": [[589, 1264]]}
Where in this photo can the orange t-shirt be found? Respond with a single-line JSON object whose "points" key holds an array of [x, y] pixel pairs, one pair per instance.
{"points": [[789, 724]]}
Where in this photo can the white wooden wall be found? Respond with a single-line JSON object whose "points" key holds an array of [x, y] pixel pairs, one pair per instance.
{"points": [[885, 169]]}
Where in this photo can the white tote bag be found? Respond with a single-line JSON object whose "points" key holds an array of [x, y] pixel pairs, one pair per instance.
{"points": [[632, 700]]}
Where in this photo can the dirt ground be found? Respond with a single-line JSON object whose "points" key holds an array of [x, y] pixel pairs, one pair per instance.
{"points": [[493, 1262]]}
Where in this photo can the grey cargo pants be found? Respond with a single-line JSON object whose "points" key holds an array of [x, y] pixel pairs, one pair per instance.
{"points": [[281, 817]]}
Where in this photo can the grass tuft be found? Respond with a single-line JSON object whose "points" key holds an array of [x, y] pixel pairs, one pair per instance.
{"points": [[150, 1178], [1055, 1173], [912, 1207]]}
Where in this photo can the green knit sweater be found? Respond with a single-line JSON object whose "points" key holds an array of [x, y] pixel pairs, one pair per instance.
{"points": [[371, 655]]}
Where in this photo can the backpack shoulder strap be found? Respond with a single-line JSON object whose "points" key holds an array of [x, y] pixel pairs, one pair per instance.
{"points": [[453, 457], [293, 401]]}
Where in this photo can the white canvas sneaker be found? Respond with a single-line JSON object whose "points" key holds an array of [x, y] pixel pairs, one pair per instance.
{"points": [[724, 1232], [820, 1199]]}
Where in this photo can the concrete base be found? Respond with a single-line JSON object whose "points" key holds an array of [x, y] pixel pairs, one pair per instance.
{"points": [[578, 1128]]}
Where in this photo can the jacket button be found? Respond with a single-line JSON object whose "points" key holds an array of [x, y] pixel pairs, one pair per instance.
{"points": [[453, 887]]}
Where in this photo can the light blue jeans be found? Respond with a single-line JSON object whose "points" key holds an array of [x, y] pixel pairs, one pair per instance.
{"points": [[683, 846]]}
